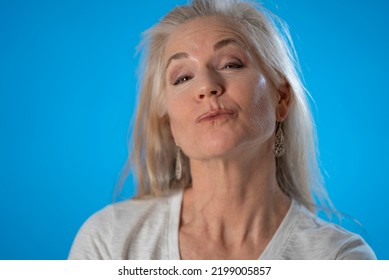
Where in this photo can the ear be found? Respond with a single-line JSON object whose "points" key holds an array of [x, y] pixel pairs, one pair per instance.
{"points": [[170, 128], [284, 100]]}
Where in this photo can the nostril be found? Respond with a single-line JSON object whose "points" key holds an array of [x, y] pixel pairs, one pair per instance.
{"points": [[201, 96], [214, 92]]}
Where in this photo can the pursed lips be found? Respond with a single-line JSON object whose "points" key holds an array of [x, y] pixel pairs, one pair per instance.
{"points": [[214, 114]]}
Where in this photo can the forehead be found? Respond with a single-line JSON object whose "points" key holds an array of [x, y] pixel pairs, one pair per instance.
{"points": [[203, 31]]}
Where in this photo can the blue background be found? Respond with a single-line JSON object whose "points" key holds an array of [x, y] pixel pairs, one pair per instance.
{"points": [[67, 93]]}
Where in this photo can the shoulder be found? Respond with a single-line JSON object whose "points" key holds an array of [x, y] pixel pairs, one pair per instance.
{"points": [[106, 233], [314, 238], [133, 210]]}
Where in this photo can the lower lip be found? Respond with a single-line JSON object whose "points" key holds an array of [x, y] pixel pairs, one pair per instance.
{"points": [[216, 117]]}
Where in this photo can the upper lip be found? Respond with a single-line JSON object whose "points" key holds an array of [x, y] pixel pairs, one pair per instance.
{"points": [[214, 113]]}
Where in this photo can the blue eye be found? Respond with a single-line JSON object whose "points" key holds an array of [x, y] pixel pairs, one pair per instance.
{"points": [[181, 80]]}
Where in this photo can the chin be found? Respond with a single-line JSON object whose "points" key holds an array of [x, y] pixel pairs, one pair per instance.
{"points": [[219, 147], [227, 145]]}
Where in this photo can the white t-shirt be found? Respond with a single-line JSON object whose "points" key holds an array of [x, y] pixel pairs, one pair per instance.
{"points": [[147, 229]]}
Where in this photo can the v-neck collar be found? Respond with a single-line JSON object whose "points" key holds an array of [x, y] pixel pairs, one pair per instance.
{"points": [[272, 250]]}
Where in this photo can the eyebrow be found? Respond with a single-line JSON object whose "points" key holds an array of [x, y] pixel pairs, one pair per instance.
{"points": [[179, 55], [225, 42], [221, 44]]}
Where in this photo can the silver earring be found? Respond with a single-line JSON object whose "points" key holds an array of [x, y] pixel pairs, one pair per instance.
{"points": [[178, 164], [279, 146]]}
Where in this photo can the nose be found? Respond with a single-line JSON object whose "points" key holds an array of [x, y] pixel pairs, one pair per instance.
{"points": [[210, 84]]}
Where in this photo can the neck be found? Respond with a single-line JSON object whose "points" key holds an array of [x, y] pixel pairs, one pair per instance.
{"points": [[240, 193]]}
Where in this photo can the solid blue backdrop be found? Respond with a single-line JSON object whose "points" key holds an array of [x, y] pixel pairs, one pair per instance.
{"points": [[68, 89]]}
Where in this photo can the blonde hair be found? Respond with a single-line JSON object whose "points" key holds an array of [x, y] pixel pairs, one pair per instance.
{"points": [[152, 149]]}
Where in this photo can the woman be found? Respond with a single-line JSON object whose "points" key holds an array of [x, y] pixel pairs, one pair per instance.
{"points": [[223, 149]]}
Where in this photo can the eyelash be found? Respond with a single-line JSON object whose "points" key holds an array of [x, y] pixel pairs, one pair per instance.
{"points": [[229, 65], [181, 80], [233, 65]]}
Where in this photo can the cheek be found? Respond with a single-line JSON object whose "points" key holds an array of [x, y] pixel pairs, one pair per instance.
{"points": [[264, 116], [262, 113]]}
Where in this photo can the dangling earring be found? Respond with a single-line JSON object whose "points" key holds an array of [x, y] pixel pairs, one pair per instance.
{"points": [[279, 146], [178, 164]]}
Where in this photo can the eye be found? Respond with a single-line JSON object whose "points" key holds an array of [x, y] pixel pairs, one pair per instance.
{"points": [[181, 80], [233, 65]]}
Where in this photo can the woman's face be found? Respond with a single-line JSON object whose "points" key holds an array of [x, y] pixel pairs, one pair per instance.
{"points": [[219, 98]]}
